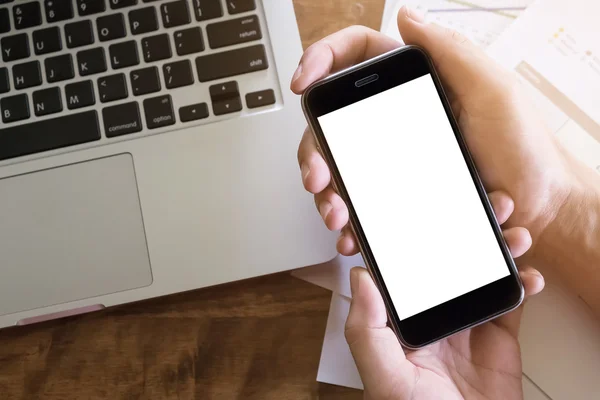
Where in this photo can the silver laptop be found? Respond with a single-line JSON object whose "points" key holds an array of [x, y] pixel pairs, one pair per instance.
{"points": [[146, 148]]}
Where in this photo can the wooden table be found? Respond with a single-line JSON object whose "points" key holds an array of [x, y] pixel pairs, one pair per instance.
{"points": [[256, 339]]}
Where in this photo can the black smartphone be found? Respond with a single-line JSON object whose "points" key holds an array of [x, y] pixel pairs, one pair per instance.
{"points": [[424, 223]]}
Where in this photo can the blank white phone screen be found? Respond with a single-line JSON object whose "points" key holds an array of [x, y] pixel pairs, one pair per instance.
{"points": [[414, 196]]}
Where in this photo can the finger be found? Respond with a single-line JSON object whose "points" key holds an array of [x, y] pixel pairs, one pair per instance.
{"points": [[462, 66], [518, 240], [502, 204], [378, 355], [337, 51], [332, 208], [533, 283], [346, 243], [314, 169]]}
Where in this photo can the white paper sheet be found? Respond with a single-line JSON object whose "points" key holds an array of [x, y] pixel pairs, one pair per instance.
{"points": [[333, 275], [337, 366], [531, 391], [482, 21], [555, 51]]}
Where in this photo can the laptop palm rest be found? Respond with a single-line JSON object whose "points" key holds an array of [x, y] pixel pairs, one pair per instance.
{"points": [[71, 233]]}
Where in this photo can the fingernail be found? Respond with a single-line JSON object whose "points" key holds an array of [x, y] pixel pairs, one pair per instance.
{"points": [[354, 284], [309, 66], [414, 15], [305, 171], [539, 275], [325, 208], [297, 73]]}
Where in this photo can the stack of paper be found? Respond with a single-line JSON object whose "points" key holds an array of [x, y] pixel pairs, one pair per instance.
{"points": [[482, 21], [551, 47], [336, 366]]}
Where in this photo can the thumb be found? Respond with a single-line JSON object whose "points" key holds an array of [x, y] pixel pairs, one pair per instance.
{"points": [[463, 67], [376, 350]]}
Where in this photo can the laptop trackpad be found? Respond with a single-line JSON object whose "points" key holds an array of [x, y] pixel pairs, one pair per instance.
{"points": [[71, 233]]}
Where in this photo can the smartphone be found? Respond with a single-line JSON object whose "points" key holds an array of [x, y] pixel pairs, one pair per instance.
{"points": [[424, 223]]}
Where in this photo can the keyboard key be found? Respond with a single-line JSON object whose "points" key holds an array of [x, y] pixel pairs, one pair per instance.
{"points": [[116, 4], [14, 108], [79, 94], [143, 20], [27, 75], [240, 6], [225, 98], [207, 9], [4, 20], [193, 112], [112, 87], [159, 112], [175, 13], [57, 10], [178, 74], [188, 41], [59, 68], [156, 48], [79, 34], [123, 54], [14, 47], [27, 15], [121, 119], [89, 7], [144, 81], [110, 27], [47, 40], [91, 61], [260, 99], [49, 134], [227, 106], [4, 81], [230, 63], [234, 31], [47, 101], [223, 90]]}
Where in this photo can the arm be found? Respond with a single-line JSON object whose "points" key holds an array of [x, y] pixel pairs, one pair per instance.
{"points": [[570, 245]]}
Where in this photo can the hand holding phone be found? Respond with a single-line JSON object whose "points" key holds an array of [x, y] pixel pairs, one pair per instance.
{"points": [[391, 141], [489, 352]]}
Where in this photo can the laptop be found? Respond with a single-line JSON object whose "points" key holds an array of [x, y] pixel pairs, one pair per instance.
{"points": [[147, 148]]}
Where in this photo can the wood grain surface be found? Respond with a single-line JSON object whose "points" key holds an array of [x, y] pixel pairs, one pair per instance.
{"points": [[255, 339]]}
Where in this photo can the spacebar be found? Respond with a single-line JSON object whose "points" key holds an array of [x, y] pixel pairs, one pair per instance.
{"points": [[49, 134]]}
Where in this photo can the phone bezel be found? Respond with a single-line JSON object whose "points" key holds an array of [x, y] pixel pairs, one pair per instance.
{"points": [[476, 307]]}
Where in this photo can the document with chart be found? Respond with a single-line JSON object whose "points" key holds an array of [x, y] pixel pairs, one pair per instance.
{"points": [[555, 52], [482, 21]]}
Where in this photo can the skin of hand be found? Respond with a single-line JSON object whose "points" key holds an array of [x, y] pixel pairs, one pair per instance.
{"points": [[480, 363], [556, 197], [512, 148], [517, 159]]}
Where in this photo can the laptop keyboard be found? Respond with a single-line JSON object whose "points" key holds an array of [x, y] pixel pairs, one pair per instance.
{"points": [[88, 72]]}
